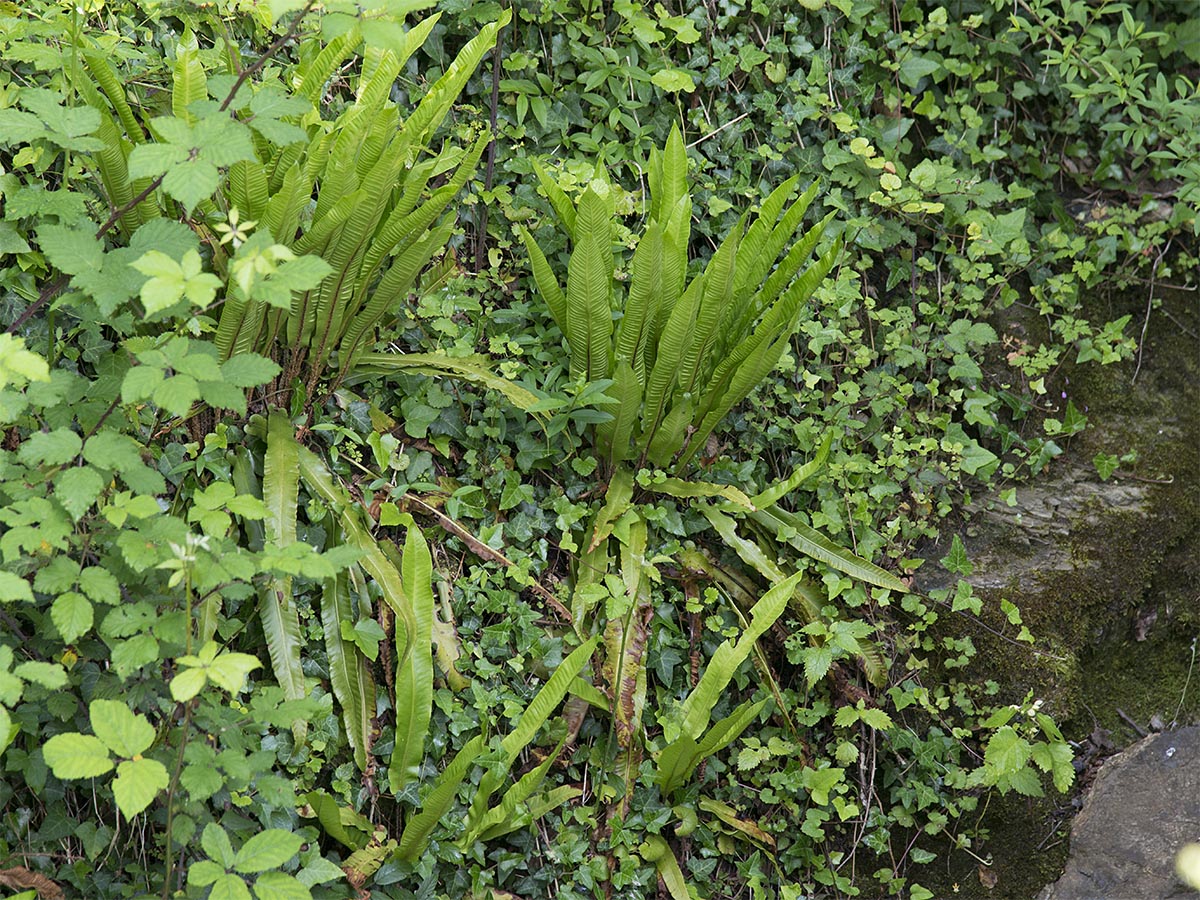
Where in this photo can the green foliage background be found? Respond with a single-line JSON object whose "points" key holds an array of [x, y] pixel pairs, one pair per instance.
{"points": [[330, 606]]}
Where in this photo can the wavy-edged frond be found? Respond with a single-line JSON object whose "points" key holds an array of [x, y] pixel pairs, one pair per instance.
{"points": [[188, 81], [789, 528]]}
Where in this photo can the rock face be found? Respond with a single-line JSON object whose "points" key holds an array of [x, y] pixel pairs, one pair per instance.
{"points": [[1144, 806]]}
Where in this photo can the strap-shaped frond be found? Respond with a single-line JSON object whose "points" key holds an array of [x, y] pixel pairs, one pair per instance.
{"points": [[559, 201], [641, 303], [613, 436], [434, 106], [546, 281], [315, 74], [718, 294], [672, 344], [188, 81], [589, 285]]}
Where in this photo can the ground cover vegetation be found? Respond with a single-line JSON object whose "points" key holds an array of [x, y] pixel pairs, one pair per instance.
{"points": [[486, 451]]}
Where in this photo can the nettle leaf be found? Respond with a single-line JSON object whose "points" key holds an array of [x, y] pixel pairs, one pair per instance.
{"points": [[137, 783], [172, 281], [76, 756], [268, 850], [1007, 752], [125, 732]]}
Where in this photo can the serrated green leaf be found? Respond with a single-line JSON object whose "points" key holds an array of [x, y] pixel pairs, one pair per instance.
{"points": [[229, 887], [69, 250], [230, 670], [50, 448], [269, 849], [48, 675], [72, 615], [280, 886], [124, 732], [100, 585], [76, 756], [77, 489], [188, 683], [247, 370], [137, 783], [205, 872], [14, 588]]}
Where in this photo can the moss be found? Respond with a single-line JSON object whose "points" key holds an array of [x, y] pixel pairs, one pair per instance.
{"points": [[1124, 567]]}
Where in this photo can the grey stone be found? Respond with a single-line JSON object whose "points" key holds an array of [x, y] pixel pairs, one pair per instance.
{"points": [[1143, 806]]}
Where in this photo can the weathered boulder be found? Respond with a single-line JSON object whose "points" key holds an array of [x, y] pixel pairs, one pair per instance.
{"points": [[1143, 806]]}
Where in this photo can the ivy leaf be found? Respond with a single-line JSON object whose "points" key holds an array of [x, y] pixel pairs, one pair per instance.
{"points": [[125, 732], [956, 560], [674, 80], [77, 489], [269, 849], [76, 756], [137, 783], [72, 615], [280, 886]]}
